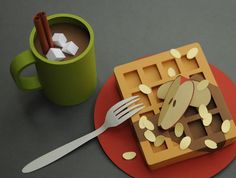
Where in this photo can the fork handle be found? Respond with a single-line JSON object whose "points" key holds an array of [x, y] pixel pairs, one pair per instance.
{"points": [[56, 154]]}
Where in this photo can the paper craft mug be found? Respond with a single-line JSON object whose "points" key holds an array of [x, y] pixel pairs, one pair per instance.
{"points": [[65, 82]]}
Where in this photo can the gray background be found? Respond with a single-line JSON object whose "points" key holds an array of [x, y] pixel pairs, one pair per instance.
{"points": [[124, 30]]}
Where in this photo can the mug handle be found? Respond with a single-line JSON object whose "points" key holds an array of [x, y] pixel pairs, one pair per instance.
{"points": [[20, 62]]}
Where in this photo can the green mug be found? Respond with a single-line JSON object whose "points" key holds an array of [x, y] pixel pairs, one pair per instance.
{"points": [[66, 82]]}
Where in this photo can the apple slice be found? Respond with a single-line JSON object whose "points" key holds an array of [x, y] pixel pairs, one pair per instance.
{"points": [[176, 102], [169, 97], [163, 89], [200, 96]]}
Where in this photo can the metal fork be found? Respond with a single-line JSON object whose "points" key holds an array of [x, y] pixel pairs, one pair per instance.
{"points": [[116, 115]]}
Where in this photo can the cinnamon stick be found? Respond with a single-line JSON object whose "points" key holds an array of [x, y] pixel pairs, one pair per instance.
{"points": [[41, 34], [46, 29]]}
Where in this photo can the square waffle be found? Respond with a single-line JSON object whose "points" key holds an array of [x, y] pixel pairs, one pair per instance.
{"points": [[153, 72]]}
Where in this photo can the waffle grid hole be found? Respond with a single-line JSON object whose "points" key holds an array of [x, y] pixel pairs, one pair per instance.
{"points": [[159, 148], [132, 79], [197, 129], [152, 73], [170, 63], [189, 64], [176, 140]]}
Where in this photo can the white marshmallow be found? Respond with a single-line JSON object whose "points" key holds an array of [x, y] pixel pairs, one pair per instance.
{"points": [[55, 54], [59, 39], [70, 48]]}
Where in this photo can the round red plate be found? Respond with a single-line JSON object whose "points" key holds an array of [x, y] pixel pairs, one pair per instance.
{"points": [[116, 141]]}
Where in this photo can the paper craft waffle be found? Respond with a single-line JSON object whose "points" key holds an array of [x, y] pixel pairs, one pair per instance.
{"points": [[153, 71]]}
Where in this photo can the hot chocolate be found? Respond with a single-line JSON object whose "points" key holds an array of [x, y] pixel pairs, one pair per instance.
{"points": [[73, 32]]}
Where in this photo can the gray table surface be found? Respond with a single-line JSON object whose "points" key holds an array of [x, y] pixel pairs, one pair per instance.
{"points": [[124, 30]]}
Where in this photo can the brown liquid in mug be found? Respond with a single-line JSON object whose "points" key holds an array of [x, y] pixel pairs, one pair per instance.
{"points": [[76, 33]]}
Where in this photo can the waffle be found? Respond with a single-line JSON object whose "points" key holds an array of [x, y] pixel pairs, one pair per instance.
{"points": [[153, 72]]}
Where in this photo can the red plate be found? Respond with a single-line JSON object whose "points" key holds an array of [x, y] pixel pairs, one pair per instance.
{"points": [[116, 141]]}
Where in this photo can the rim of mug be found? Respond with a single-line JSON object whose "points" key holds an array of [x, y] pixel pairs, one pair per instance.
{"points": [[77, 58]]}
